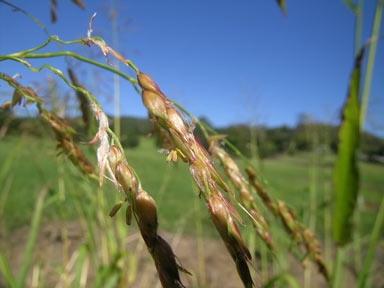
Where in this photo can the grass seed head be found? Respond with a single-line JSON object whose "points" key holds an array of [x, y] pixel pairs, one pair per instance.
{"points": [[115, 156], [147, 215], [200, 174], [221, 217], [182, 144], [16, 97], [66, 144], [155, 104], [125, 178], [146, 83], [205, 176], [175, 121], [166, 265], [230, 234]]}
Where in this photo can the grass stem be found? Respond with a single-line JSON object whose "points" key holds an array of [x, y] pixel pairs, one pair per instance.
{"points": [[31, 240], [338, 268], [370, 62], [377, 229]]}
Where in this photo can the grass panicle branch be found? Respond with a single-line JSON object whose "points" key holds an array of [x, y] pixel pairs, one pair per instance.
{"points": [[62, 130]]}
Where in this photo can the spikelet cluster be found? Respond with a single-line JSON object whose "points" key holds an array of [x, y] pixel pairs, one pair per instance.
{"points": [[143, 207], [63, 132], [301, 235], [184, 145], [66, 144], [241, 184]]}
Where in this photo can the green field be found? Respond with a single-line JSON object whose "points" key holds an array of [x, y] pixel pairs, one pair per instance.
{"points": [[287, 177]]}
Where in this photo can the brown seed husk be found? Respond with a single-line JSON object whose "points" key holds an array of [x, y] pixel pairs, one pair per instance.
{"points": [[166, 265], [146, 83]]}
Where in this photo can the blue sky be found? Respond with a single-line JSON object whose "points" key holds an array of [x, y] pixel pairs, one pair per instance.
{"points": [[231, 61]]}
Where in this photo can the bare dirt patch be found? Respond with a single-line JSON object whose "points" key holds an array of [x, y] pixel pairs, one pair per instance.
{"points": [[216, 271]]}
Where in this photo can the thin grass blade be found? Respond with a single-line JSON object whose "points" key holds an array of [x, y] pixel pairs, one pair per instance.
{"points": [[79, 266], [7, 164], [4, 269], [370, 61]]}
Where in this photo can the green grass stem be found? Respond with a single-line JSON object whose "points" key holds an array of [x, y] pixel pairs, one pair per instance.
{"points": [[370, 62], [37, 21], [4, 269], [78, 271], [338, 268], [71, 54], [31, 240], [368, 260], [359, 16]]}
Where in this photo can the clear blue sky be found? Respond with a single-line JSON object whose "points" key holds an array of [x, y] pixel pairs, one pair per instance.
{"points": [[231, 61]]}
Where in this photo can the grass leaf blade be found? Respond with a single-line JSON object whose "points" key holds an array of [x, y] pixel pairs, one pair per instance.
{"points": [[346, 176]]}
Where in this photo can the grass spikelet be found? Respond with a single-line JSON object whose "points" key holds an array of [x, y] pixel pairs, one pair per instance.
{"points": [[147, 217]]}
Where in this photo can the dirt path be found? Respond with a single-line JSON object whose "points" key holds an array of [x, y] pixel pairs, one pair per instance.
{"points": [[216, 271]]}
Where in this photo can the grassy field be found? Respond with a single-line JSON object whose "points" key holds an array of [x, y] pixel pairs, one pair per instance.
{"points": [[287, 177]]}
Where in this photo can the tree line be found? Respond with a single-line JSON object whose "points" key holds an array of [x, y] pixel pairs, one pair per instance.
{"points": [[260, 140]]}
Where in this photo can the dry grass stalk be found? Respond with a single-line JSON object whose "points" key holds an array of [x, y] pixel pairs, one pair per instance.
{"points": [[185, 146], [301, 235], [241, 184]]}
